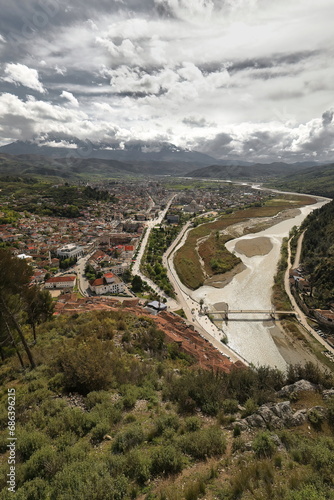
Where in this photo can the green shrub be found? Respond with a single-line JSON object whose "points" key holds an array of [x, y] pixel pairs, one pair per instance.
{"points": [[138, 466], [99, 432], [208, 442], [166, 460], [28, 442], [263, 445], [33, 490], [230, 406], [88, 480], [127, 439], [86, 366], [44, 463], [250, 408], [192, 424]]}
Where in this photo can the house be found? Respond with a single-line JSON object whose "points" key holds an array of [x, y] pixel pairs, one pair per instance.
{"points": [[69, 251], [60, 282], [173, 219], [109, 283], [324, 316]]}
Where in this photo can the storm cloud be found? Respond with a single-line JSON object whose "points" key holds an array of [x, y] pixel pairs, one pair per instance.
{"points": [[242, 79]]}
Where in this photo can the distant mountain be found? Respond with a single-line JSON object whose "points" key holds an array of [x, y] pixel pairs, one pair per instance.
{"points": [[258, 171], [30, 165], [130, 152], [315, 180]]}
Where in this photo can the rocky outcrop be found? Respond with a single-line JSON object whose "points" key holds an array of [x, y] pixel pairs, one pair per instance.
{"points": [[328, 394], [300, 386], [276, 416]]}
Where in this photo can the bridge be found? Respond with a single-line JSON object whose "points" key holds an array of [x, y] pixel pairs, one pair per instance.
{"points": [[271, 312]]}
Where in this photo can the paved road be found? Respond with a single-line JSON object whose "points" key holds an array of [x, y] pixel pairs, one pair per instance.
{"points": [[136, 265], [192, 308], [301, 317]]}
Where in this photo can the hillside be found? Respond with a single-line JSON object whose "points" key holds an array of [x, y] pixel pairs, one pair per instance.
{"points": [[77, 168], [315, 180], [250, 172], [318, 254], [112, 412]]}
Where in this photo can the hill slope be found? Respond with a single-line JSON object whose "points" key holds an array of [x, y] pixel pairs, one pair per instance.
{"points": [[258, 171], [318, 254], [315, 180]]}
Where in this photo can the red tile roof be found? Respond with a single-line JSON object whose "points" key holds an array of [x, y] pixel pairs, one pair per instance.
{"points": [[61, 279]]}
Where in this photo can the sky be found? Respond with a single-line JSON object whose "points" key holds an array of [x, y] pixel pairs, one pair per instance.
{"points": [[236, 79]]}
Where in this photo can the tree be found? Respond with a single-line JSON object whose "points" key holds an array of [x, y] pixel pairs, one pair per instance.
{"points": [[15, 277], [137, 284], [39, 306]]}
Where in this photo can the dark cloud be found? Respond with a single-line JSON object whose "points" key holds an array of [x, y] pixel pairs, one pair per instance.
{"points": [[218, 147], [271, 61], [327, 117]]}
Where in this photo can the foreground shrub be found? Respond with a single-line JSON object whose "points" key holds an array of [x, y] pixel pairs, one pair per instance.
{"points": [[263, 445], [86, 366], [166, 460], [203, 443]]}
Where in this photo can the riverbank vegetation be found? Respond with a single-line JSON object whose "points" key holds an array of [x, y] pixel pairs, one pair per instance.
{"points": [[187, 261], [111, 412]]}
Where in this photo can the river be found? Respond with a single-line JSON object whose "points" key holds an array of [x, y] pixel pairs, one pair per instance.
{"points": [[250, 334]]}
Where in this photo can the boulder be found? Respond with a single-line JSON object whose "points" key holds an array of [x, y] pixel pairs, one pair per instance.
{"points": [[300, 386], [328, 394]]}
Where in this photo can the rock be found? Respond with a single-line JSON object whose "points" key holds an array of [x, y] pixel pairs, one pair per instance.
{"points": [[299, 417], [328, 394], [301, 385], [255, 420]]}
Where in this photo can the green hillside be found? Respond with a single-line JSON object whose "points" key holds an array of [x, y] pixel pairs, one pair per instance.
{"points": [[100, 407], [318, 254], [314, 180]]}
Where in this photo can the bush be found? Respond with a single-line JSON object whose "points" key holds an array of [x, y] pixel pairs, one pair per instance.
{"points": [[128, 439], [99, 432], [88, 480], [192, 424], [33, 490], [138, 466], [263, 445], [28, 442], [166, 460], [86, 366], [203, 443], [230, 406]]}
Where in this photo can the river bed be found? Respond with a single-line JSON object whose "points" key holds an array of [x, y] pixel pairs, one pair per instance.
{"points": [[250, 334]]}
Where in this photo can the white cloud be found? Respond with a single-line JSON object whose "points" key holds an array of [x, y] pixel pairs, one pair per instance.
{"points": [[70, 97], [19, 74]]}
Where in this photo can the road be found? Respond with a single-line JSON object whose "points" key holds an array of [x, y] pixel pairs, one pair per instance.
{"points": [[301, 316], [136, 265], [192, 308]]}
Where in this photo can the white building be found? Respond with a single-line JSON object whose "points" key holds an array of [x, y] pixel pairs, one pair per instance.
{"points": [[60, 282], [109, 283], [69, 251]]}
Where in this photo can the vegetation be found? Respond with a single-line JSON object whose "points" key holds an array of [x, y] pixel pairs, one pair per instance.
{"points": [[44, 198], [318, 255], [107, 413], [159, 241], [280, 298], [317, 180], [20, 304]]}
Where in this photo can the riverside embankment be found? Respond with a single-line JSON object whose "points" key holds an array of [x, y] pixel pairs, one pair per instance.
{"points": [[253, 336]]}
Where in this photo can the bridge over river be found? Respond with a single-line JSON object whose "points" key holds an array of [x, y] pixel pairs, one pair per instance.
{"points": [[225, 314]]}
